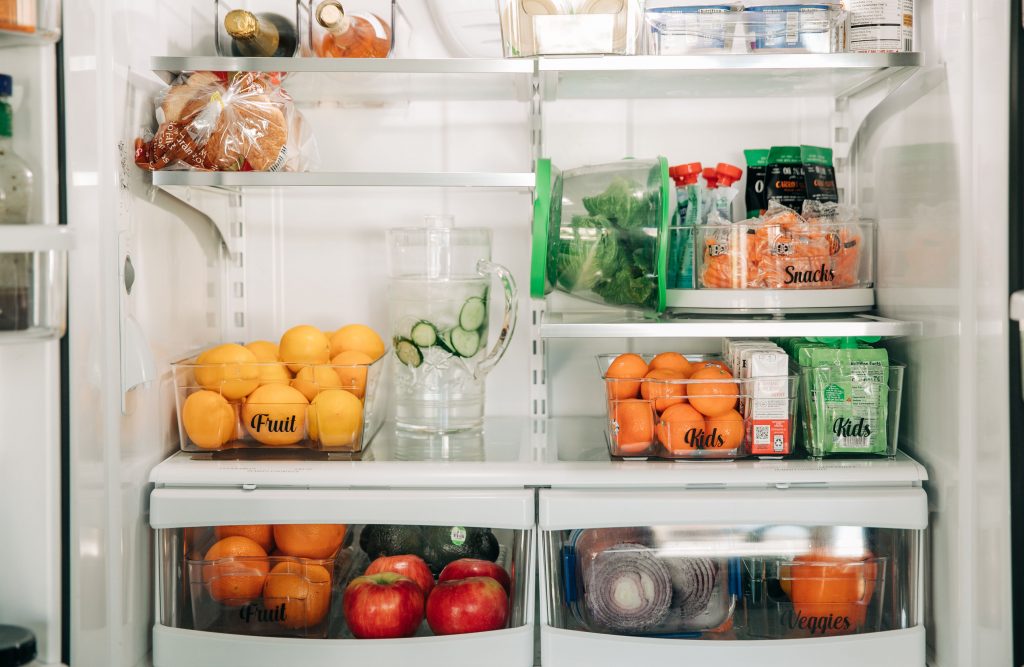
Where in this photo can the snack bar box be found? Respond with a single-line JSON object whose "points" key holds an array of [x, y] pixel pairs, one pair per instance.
{"points": [[142, 247]]}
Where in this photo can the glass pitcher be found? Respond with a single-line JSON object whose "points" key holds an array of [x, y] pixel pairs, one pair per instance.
{"points": [[439, 297]]}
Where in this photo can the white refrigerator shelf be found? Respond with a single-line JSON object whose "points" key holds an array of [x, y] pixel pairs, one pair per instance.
{"points": [[510, 452]]}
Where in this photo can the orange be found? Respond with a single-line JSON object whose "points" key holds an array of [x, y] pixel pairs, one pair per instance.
{"points": [[311, 380], [304, 346], [309, 540], [672, 361], [303, 588], [229, 369], [270, 367], [353, 371], [712, 398], [264, 350], [711, 363], [681, 428], [632, 426], [824, 586], [275, 414], [208, 418], [358, 338], [727, 430], [261, 534], [625, 367], [335, 418], [237, 572], [664, 394]]}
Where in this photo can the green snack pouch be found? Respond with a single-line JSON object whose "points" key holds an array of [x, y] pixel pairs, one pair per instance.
{"points": [[785, 181], [850, 400], [819, 174], [756, 193]]}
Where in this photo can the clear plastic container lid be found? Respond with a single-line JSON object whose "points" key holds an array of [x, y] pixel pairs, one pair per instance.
{"points": [[787, 5], [17, 646]]}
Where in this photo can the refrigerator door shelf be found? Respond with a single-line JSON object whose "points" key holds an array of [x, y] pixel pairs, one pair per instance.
{"points": [[33, 282]]}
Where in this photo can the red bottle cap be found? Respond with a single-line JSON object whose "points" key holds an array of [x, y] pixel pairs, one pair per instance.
{"points": [[711, 176], [728, 174], [685, 174]]}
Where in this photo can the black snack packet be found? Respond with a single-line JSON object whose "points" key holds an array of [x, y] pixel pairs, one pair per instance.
{"points": [[819, 174], [784, 178], [757, 193]]}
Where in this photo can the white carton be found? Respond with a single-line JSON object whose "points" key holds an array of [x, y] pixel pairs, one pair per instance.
{"points": [[767, 414]]}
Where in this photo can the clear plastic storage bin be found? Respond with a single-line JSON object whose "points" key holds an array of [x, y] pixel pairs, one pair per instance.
{"points": [[348, 28], [601, 232], [644, 581], [698, 419], [247, 405], [682, 30], [789, 256], [851, 413], [33, 282], [571, 27], [282, 595], [795, 27], [763, 581]]}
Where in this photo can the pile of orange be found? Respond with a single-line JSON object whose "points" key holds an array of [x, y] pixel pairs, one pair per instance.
{"points": [[680, 404], [237, 569], [311, 383]]}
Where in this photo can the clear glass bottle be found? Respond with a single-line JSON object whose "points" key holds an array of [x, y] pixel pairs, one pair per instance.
{"points": [[260, 35], [350, 35], [15, 176]]}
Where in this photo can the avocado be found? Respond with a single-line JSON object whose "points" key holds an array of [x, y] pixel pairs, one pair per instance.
{"points": [[444, 544], [386, 540]]}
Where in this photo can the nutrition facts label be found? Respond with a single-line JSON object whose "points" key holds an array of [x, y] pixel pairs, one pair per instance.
{"points": [[885, 26]]}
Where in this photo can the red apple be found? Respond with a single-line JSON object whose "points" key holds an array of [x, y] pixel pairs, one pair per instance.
{"points": [[464, 568], [477, 604], [408, 566], [383, 606]]}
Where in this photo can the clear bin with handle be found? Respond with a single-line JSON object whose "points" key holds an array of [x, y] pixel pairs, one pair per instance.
{"points": [[600, 232], [571, 27]]}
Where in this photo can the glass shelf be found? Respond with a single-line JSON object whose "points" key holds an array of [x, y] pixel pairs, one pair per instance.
{"points": [[625, 325], [236, 180], [719, 76]]}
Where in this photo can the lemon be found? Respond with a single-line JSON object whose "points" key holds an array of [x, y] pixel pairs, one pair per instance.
{"points": [[351, 369], [311, 380], [336, 418], [275, 415], [304, 346], [208, 418], [229, 369], [358, 337]]}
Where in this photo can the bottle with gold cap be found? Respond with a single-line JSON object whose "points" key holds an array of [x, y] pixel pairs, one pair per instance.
{"points": [[351, 34], [263, 34]]}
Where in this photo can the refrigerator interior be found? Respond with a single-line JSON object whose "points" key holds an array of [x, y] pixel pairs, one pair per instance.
{"points": [[927, 162]]}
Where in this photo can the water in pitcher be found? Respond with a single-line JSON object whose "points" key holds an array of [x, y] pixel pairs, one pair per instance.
{"points": [[439, 330]]}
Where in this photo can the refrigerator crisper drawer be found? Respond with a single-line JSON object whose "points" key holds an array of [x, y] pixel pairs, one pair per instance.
{"points": [[261, 576], [731, 576]]}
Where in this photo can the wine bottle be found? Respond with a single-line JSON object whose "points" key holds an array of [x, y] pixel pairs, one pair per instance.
{"points": [[265, 34], [351, 35]]}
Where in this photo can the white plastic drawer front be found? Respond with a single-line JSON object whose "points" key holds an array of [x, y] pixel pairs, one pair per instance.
{"points": [[182, 507], [876, 507]]}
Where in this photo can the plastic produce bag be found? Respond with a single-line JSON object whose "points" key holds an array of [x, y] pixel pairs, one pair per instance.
{"points": [[227, 121]]}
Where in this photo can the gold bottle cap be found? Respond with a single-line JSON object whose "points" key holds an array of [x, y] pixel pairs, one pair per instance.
{"points": [[241, 24]]}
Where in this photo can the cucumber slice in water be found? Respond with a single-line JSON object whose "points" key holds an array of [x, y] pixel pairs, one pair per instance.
{"points": [[444, 341], [408, 353], [466, 343], [424, 334], [471, 317]]}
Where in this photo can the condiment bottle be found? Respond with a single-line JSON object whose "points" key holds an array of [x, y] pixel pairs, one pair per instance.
{"points": [[260, 35], [361, 35]]}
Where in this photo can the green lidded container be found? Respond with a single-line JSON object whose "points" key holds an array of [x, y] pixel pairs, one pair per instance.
{"points": [[600, 232]]}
